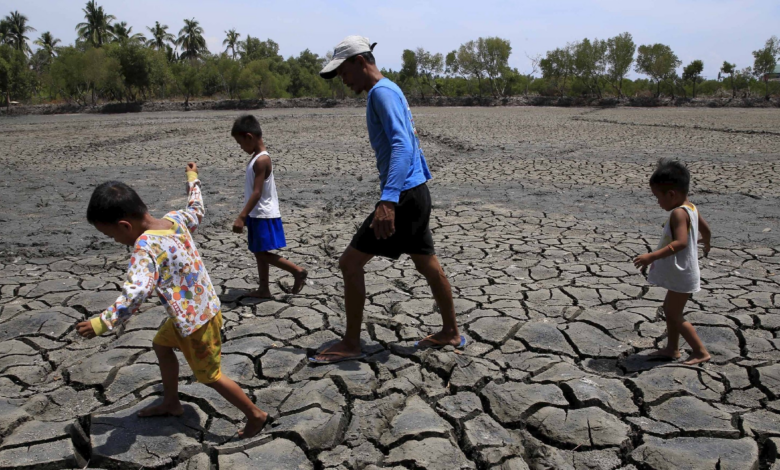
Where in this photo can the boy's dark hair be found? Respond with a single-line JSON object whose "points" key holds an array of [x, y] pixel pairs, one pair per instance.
{"points": [[671, 174], [247, 124], [369, 56], [113, 201]]}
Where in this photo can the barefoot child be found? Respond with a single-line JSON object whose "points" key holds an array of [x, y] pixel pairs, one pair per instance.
{"points": [[674, 265], [261, 209], [166, 261]]}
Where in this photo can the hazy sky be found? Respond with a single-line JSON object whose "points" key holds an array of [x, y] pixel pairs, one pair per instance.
{"points": [[710, 30]]}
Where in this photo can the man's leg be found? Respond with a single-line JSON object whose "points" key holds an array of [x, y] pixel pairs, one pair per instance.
{"points": [[351, 263], [428, 266]]}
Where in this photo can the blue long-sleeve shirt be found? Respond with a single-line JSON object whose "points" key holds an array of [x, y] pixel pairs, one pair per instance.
{"points": [[399, 158]]}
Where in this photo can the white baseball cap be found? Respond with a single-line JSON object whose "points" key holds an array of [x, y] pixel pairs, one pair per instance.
{"points": [[349, 47]]}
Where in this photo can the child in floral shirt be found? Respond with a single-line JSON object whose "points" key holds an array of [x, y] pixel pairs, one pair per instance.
{"points": [[166, 261]]}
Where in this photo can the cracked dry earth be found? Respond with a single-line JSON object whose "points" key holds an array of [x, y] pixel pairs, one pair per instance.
{"points": [[538, 213]]}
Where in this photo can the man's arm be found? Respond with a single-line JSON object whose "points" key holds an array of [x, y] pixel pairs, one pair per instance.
{"points": [[138, 286], [392, 114], [261, 167]]}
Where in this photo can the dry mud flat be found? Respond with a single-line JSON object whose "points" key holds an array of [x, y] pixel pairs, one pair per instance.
{"points": [[538, 213]]}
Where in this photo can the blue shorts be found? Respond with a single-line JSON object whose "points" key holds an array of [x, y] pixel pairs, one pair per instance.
{"points": [[265, 234]]}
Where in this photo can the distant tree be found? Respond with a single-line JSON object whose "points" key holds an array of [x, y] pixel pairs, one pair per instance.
{"points": [[231, 41], [48, 43], [5, 32], [15, 75], [408, 71], [765, 61], [160, 37], [729, 69], [17, 31], [558, 65], [124, 34], [186, 75], [191, 40], [252, 49], [493, 54], [469, 64], [658, 62], [535, 60], [590, 63], [428, 66], [96, 30], [620, 57], [692, 72]]}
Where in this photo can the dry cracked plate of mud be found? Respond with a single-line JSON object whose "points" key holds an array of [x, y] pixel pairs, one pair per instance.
{"points": [[537, 215]]}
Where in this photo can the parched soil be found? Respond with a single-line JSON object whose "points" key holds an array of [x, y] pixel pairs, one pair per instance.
{"points": [[537, 215]]}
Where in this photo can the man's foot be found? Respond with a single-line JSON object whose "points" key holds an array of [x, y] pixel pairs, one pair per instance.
{"points": [[162, 410], [260, 294], [665, 353], [253, 426], [694, 358], [337, 353], [300, 281], [440, 339]]}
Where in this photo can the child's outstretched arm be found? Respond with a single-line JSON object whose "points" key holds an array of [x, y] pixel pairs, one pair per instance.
{"points": [[706, 235], [193, 214], [261, 168], [679, 221], [138, 286]]}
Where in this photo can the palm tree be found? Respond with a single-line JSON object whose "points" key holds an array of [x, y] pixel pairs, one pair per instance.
{"points": [[191, 40], [160, 36], [48, 43], [97, 29], [124, 34], [5, 32], [231, 41], [17, 26]]}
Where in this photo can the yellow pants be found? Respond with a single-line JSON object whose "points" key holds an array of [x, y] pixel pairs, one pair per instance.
{"points": [[202, 349]]}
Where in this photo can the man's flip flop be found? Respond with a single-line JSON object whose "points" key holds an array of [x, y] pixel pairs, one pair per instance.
{"points": [[439, 344], [340, 357]]}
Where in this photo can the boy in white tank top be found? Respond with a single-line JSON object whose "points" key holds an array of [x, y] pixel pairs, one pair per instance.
{"points": [[261, 213], [674, 265]]}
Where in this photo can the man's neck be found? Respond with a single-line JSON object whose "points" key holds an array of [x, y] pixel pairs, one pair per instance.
{"points": [[374, 75]]}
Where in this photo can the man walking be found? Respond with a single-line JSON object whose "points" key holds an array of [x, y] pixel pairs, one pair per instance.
{"points": [[399, 224]]}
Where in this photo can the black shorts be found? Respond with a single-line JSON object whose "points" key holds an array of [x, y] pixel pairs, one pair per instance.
{"points": [[412, 230]]}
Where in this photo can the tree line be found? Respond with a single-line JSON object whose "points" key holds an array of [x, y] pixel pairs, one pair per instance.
{"points": [[110, 62]]}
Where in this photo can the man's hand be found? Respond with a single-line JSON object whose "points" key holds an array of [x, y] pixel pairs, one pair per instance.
{"points": [[705, 242], [643, 261], [85, 329], [192, 166], [384, 220], [238, 225]]}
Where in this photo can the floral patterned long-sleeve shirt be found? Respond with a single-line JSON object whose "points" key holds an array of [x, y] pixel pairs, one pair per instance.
{"points": [[167, 262]]}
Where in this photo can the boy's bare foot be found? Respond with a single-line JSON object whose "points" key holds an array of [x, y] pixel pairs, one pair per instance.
{"points": [[260, 294], [253, 426], [665, 353], [161, 410], [694, 359], [300, 281]]}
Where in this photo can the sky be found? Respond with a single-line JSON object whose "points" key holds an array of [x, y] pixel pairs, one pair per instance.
{"points": [[709, 30]]}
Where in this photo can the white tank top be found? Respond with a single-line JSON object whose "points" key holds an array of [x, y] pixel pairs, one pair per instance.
{"points": [[679, 272], [268, 205]]}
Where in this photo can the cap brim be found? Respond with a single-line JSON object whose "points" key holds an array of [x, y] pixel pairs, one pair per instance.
{"points": [[329, 71]]}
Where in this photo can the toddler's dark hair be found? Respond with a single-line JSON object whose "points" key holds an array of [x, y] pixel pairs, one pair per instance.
{"points": [[113, 201], [671, 174], [247, 124]]}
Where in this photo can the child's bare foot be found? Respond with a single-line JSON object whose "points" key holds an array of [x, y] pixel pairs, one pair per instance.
{"points": [[162, 410], [260, 294], [253, 426], [300, 281], [699, 358], [665, 353]]}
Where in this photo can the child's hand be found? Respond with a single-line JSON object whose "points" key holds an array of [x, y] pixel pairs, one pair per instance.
{"points": [[85, 329], [238, 225], [192, 166], [643, 261], [705, 246]]}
